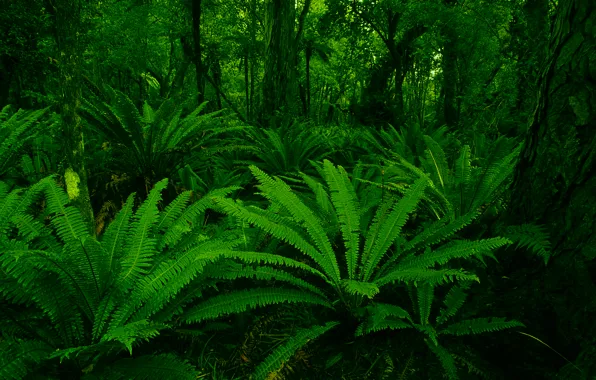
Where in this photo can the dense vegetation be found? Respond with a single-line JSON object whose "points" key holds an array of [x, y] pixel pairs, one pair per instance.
{"points": [[319, 189]]}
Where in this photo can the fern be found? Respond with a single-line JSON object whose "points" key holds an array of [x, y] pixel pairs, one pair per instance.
{"points": [[286, 350], [480, 325], [18, 358], [240, 301], [532, 237]]}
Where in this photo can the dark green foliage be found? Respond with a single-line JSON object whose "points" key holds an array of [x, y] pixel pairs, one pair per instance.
{"points": [[361, 268], [340, 171]]}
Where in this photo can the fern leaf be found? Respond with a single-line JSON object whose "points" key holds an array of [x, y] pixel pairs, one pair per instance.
{"points": [[425, 301], [433, 277], [132, 332], [232, 272], [286, 350], [348, 211], [454, 300], [463, 178], [354, 287], [279, 191], [142, 246], [438, 162], [446, 359], [532, 237], [457, 249], [439, 231], [239, 301], [18, 358], [173, 211], [114, 238], [278, 230], [67, 220], [190, 217], [480, 325], [155, 367], [392, 226]]}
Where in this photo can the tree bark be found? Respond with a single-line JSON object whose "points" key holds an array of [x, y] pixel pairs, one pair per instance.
{"points": [[555, 179], [450, 80], [197, 57], [279, 82], [68, 20]]}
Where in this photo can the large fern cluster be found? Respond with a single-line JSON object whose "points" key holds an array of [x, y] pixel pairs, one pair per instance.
{"points": [[17, 129], [69, 297], [373, 254], [155, 143]]}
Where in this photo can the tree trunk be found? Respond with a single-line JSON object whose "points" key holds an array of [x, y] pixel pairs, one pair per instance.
{"points": [[279, 82], [198, 60], [68, 19], [246, 85], [530, 38], [555, 179], [252, 57], [450, 80], [308, 55]]}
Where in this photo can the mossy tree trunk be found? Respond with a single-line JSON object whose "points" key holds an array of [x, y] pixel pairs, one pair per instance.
{"points": [[555, 180], [68, 39]]}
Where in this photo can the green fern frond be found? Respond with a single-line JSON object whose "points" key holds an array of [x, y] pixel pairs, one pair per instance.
{"points": [[130, 333], [280, 192], [115, 236], [360, 288], [433, 277], [154, 367], [392, 226], [497, 167], [18, 358], [272, 259], [240, 301], [439, 231], [532, 237], [15, 132], [348, 212], [454, 300], [381, 317], [278, 230], [437, 161], [445, 358], [190, 217], [425, 300], [141, 246], [259, 272], [173, 211], [480, 325], [286, 350], [450, 251], [67, 220], [463, 176]]}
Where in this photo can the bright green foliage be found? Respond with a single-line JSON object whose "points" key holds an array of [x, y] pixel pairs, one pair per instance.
{"points": [[369, 258], [462, 187], [88, 298], [15, 131], [287, 149], [155, 142], [283, 352], [383, 316]]}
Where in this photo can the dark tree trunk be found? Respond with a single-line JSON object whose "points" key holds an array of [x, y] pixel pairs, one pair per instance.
{"points": [[197, 57], [308, 56], [530, 39], [450, 77], [68, 19], [555, 179], [279, 82]]}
